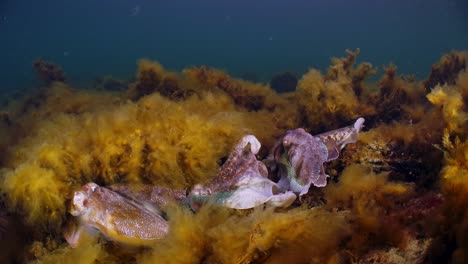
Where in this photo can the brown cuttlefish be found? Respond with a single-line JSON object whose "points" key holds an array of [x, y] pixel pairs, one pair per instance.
{"points": [[297, 158], [242, 182], [119, 218]]}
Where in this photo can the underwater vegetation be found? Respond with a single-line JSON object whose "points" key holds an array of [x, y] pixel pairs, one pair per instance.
{"points": [[399, 194], [48, 72]]}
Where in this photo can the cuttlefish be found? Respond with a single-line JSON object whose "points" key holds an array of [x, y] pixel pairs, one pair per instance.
{"points": [[119, 218], [242, 182], [297, 159]]}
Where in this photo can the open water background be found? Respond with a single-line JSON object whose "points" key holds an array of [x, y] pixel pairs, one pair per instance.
{"points": [[91, 38]]}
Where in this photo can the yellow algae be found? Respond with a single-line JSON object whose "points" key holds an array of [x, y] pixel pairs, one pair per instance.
{"points": [[300, 235], [368, 196], [451, 99], [452, 105], [151, 77], [325, 101], [89, 252], [453, 216], [187, 241], [37, 191], [334, 99], [215, 235]]}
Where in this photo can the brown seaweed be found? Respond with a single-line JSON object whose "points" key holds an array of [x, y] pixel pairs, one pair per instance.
{"points": [[48, 72], [446, 70]]}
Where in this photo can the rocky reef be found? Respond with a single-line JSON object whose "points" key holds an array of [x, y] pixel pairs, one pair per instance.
{"points": [[397, 194]]}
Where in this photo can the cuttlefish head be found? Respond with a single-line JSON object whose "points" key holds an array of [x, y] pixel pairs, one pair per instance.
{"points": [[79, 204]]}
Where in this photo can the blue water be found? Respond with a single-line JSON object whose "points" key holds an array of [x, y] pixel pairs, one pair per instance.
{"points": [[90, 38]]}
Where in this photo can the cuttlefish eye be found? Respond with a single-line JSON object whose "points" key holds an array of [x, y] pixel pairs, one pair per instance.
{"points": [[205, 192], [198, 196], [90, 187], [199, 190], [286, 143]]}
